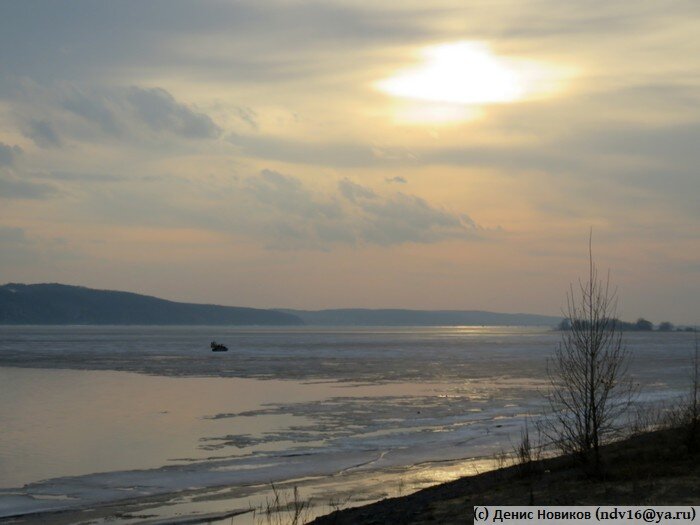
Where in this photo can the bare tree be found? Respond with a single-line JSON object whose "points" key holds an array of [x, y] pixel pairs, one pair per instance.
{"points": [[589, 386]]}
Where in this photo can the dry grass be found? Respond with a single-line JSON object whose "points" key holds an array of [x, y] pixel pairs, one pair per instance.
{"points": [[285, 507]]}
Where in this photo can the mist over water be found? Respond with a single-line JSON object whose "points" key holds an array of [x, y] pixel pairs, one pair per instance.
{"points": [[95, 414]]}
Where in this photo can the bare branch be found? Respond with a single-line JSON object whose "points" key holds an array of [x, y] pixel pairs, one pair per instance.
{"points": [[588, 375]]}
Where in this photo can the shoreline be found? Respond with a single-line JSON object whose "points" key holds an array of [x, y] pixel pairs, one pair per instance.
{"points": [[212, 504], [649, 468]]}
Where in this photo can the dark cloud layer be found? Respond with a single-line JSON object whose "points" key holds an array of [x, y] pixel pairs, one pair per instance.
{"points": [[50, 114], [163, 34], [99, 108], [161, 112]]}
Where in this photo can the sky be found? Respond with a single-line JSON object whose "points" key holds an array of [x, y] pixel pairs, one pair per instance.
{"points": [[288, 153]]}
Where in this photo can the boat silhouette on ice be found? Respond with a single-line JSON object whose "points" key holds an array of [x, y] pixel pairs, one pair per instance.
{"points": [[218, 347]]}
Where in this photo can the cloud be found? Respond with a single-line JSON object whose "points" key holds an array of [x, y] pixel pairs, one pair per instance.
{"points": [[287, 194], [43, 133], [296, 216], [70, 176], [353, 192], [12, 235], [677, 142], [20, 251], [247, 115], [52, 114], [161, 112], [245, 41], [12, 187], [9, 154], [15, 247], [396, 180], [393, 154], [337, 154], [98, 108], [401, 218]]}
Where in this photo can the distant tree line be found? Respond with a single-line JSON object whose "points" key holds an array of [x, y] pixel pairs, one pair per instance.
{"points": [[641, 325]]}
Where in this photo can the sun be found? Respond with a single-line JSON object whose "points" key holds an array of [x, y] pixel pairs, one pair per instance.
{"points": [[470, 74]]}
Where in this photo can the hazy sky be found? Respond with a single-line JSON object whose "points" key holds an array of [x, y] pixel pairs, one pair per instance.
{"points": [[448, 154]]}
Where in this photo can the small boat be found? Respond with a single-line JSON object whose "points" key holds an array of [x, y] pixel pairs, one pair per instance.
{"points": [[218, 347]]}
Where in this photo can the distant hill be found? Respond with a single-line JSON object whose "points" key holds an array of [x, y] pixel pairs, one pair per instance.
{"points": [[62, 304], [398, 317]]}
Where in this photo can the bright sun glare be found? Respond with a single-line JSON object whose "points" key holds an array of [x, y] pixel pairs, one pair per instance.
{"points": [[470, 74]]}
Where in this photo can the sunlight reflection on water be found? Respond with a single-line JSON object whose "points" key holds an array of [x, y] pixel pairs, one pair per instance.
{"points": [[281, 404]]}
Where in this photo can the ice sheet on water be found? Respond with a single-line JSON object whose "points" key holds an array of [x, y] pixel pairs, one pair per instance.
{"points": [[112, 486], [487, 381], [358, 355], [386, 421], [336, 434], [308, 353]]}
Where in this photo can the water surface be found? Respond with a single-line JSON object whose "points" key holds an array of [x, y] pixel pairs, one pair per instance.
{"points": [[95, 414]]}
